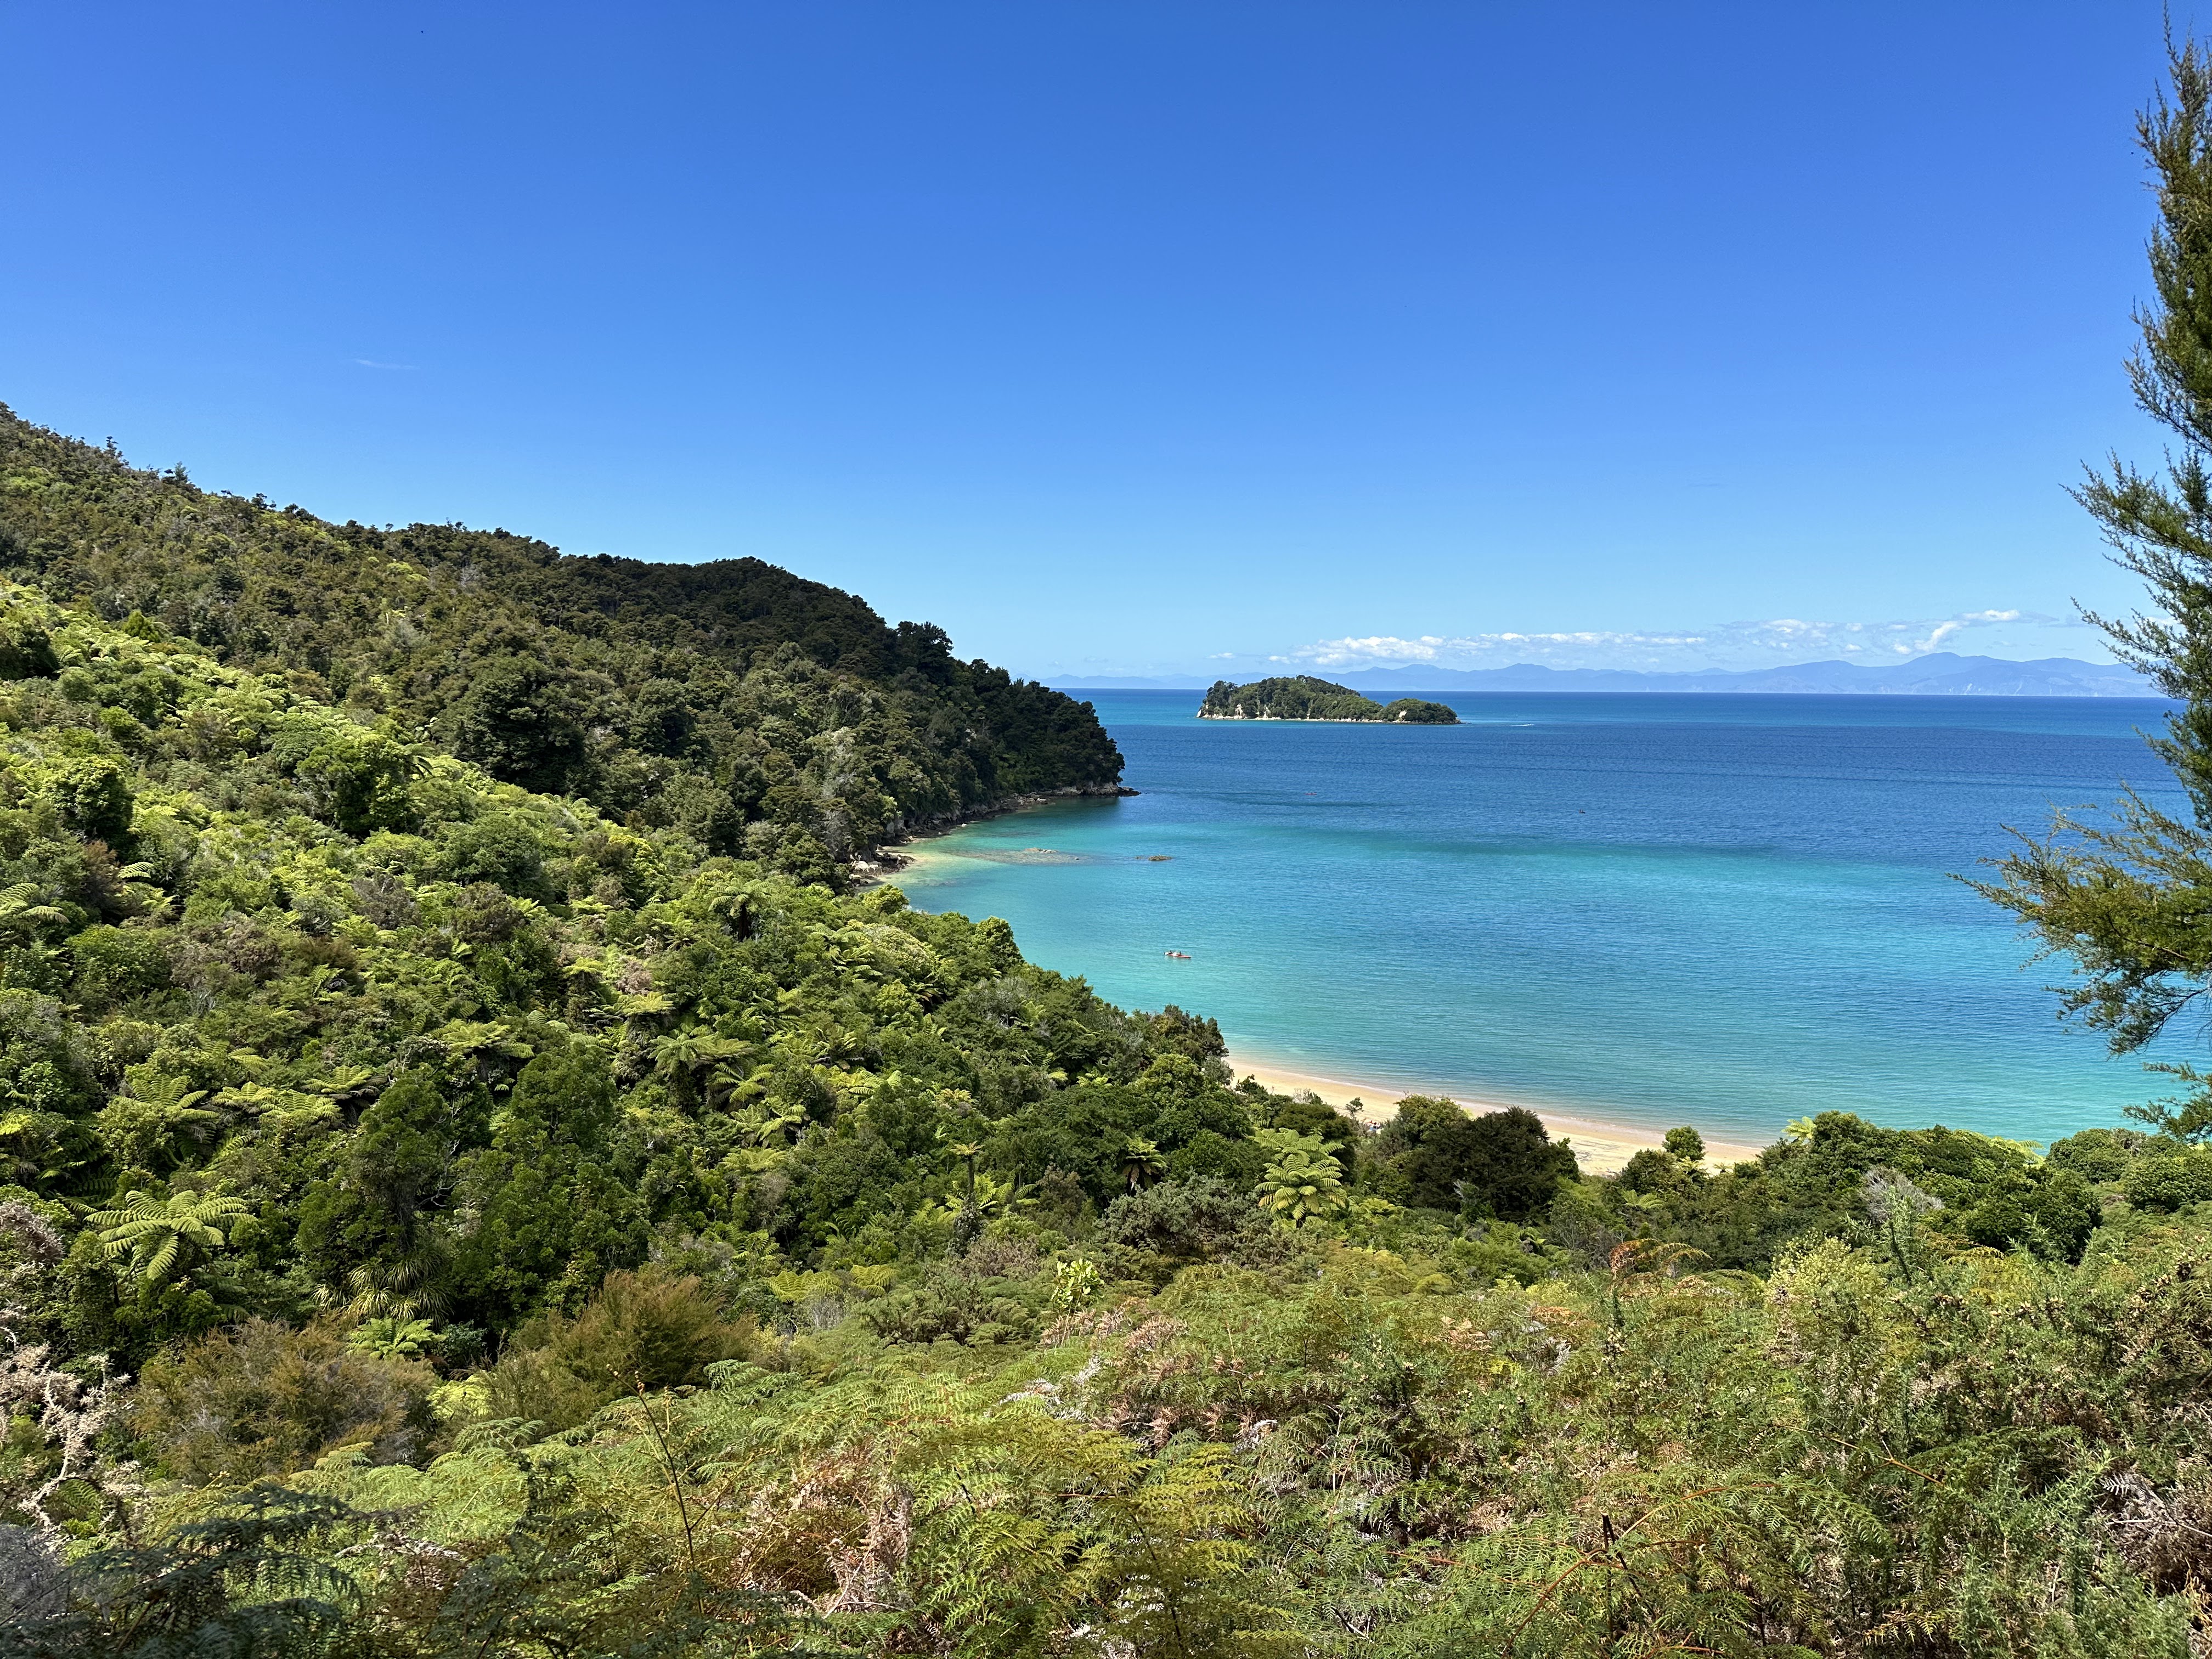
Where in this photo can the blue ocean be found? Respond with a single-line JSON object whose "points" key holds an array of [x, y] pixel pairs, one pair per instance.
{"points": [[1728, 911]]}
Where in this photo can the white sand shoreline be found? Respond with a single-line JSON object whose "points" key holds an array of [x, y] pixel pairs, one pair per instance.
{"points": [[1602, 1147]]}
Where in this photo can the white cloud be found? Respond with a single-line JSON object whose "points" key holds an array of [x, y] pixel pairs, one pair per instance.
{"points": [[1724, 645]]}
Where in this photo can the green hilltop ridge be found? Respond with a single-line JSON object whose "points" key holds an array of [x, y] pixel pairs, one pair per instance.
{"points": [[1302, 697], [764, 714]]}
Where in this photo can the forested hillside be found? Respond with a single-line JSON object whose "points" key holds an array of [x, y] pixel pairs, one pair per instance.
{"points": [[760, 713], [441, 1220]]}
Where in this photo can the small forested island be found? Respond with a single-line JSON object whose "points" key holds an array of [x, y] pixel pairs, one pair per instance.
{"points": [[1302, 697]]}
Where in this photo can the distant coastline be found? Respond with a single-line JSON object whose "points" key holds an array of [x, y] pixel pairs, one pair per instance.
{"points": [[1941, 673]]}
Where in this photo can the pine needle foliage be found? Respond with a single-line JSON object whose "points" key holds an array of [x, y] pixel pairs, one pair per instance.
{"points": [[2119, 897]]}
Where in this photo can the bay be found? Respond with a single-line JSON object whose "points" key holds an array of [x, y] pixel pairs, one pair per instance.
{"points": [[1729, 911]]}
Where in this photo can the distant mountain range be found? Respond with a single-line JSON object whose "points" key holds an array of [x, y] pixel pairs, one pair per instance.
{"points": [[1941, 673]]}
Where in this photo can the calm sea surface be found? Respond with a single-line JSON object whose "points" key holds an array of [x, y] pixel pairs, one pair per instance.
{"points": [[1727, 911]]}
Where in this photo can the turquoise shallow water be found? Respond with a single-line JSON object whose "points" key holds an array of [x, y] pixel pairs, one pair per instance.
{"points": [[1728, 911]]}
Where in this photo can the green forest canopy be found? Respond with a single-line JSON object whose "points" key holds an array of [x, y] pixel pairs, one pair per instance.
{"points": [[762, 714]]}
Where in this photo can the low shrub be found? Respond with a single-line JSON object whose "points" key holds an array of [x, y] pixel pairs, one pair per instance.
{"points": [[259, 1399], [653, 1328]]}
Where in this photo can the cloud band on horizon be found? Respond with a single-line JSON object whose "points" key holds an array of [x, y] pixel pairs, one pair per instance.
{"points": [[1721, 645]]}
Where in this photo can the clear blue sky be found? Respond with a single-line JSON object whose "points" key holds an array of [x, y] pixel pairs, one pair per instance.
{"points": [[1115, 336]]}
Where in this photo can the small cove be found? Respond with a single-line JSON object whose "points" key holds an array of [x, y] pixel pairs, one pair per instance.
{"points": [[1729, 911]]}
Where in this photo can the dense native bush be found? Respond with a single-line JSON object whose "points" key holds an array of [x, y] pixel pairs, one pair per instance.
{"points": [[605, 1245], [458, 1051], [760, 713], [1337, 1449], [1817, 1183]]}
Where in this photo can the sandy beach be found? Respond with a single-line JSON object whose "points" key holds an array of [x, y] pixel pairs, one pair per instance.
{"points": [[1601, 1148]]}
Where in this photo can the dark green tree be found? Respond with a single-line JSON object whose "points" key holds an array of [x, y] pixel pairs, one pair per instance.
{"points": [[2123, 897], [518, 721], [553, 1218], [1433, 1156], [367, 1229]]}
